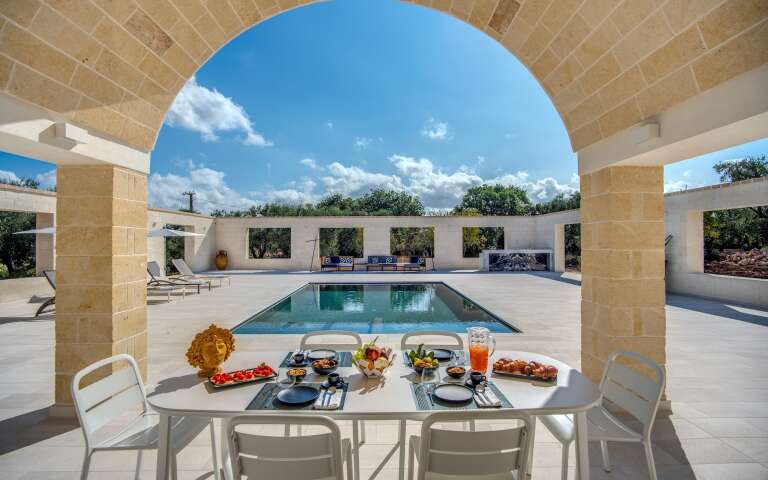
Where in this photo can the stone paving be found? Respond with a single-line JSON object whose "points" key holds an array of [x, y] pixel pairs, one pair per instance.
{"points": [[718, 387]]}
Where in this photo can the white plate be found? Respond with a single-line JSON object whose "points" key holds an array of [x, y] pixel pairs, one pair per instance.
{"points": [[320, 354]]}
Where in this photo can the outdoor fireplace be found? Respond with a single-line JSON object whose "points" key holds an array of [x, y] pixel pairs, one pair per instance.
{"points": [[516, 260]]}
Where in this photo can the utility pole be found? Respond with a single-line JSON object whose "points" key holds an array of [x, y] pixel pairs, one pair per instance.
{"points": [[191, 195]]}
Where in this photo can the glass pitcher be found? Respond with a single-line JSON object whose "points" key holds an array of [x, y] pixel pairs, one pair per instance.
{"points": [[481, 347]]}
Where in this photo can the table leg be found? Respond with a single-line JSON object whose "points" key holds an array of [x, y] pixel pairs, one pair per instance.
{"points": [[356, 448], [401, 446], [163, 446], [582, 448]]}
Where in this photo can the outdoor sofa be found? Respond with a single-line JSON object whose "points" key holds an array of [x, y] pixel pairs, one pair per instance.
{"points": [[394, 263], [337, 263]]}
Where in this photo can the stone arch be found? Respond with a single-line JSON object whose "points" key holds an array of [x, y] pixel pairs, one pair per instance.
{"points": [[115, 67]]}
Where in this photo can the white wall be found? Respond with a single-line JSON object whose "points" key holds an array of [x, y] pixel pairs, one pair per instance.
{"points": [[232, 236], [683, 219], [199, 252]]}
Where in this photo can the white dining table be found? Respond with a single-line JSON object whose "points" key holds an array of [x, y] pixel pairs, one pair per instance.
{"points": [[389, 398]]}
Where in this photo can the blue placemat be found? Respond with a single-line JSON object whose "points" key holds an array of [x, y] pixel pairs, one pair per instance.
{"points": [[266, 399], [344, 358], [421, 399], [458, 355]]}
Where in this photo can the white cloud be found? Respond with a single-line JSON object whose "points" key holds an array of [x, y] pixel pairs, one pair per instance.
{"points": [[541, 190], [7, 176], [435, 130], [354, 180], [687, 173], [676, 186], [362, 143], [437, 189], [310, 162], [209, 113], [47, 179], [211, 190], [304, 194], [329, 124]]}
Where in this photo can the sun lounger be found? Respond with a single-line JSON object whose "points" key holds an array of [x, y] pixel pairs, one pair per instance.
{"points": [[167, 290], [186, 273], [49, 275], [158, 278]]}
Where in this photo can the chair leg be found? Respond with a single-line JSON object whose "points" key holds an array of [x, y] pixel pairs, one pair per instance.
{"points": [[214, 451], [402, 440], [606, 458], [287, 430], [362, 432], [138, 464], [564, 461], [174, 466], [649, 459], [299, 430], [411, 460], [472, 426], [529, 453], [86, 466], [348, 457], [45, 304]]}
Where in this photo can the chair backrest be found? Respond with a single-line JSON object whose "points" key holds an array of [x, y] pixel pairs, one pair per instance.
{"points": [[110, 397], [154, 270], [634, 392], [304, 457], [452, 340], [50, 275], [182, 266], [355, 341], [472, 454]]}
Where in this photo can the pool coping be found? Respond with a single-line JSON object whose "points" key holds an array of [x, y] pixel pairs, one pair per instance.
{"points": [[514, 329]]}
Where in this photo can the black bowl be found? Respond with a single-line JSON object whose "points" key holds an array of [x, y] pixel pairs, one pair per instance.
{"points": [[456, 374], [430, 370], [325, 371]]}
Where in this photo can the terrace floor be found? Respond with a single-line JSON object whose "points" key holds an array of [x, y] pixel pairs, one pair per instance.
{"points": [[717, 385]]}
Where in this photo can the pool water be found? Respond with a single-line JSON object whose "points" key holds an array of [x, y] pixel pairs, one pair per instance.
{"points": [[373, 308]]}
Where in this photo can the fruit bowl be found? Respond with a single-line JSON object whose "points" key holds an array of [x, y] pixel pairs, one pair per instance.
{"points": [[372, 360]]}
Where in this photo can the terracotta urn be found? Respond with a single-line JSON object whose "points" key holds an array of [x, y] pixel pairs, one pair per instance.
{"points": [[210, 349], [222, 260]]}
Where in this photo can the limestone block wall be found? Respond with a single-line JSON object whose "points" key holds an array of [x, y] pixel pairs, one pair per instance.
{"points": [[115, 67], [685, 252], [232, 236]]}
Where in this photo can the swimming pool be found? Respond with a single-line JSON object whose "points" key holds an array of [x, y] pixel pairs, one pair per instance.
{"points": [[373, 308]]}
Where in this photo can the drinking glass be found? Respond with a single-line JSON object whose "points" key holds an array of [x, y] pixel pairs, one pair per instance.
{"points": [[284, 380], [429, 380], [481, 347]]}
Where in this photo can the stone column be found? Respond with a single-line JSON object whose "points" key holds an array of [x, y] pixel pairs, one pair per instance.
{"points": [[44, 244], [558, 248], [101, 260], [622, 242]]}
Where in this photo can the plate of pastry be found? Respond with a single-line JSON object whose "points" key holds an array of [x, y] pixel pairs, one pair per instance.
{"points": [[528, 370]]}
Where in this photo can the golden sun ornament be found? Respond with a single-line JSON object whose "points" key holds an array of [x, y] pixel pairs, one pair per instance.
{"points": [[210, 349]]}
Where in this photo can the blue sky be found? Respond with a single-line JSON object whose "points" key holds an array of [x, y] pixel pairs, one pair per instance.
{"points": [[346, 96]]}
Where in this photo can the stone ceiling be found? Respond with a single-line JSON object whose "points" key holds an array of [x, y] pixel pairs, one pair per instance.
{"points": [[116, 65]]}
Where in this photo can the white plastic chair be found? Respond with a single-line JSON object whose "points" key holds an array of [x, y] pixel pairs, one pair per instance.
{"points": [[463, 454], [302, 458], [103, 401], [637, 394], [307, 343], [453, 340]]}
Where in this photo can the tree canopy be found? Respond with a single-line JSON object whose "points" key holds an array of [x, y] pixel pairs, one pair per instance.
{"points": [[744, 169], [495, 200]]}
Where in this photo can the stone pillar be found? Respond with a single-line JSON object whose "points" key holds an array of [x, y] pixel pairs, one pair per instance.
{"points": [[44, 244], [558, 248], [101, 256], [622, 254]]}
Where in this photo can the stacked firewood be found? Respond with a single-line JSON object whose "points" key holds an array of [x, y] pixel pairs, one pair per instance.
{"points": [[752, 263]]}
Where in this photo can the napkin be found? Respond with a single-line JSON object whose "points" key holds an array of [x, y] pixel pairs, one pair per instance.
{"points": [[331, 402], [487, 399]]}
